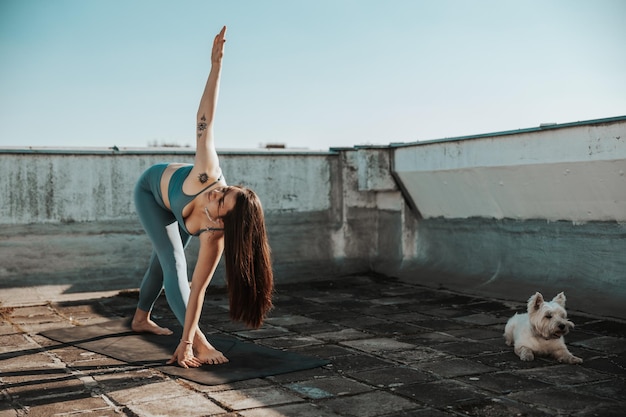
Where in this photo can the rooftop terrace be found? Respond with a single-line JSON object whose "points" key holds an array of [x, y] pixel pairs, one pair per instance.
{"points": [[395, 349], [399, 265]]}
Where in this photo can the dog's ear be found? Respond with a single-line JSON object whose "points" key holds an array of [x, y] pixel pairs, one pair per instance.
{"points": [[560, 299], [535, 302]]}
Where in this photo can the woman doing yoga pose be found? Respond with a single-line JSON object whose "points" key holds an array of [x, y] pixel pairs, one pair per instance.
{"points": [[177, 201]]}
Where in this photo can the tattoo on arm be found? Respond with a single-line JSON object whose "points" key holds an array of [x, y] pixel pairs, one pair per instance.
{"points": [[201, 126], [203, 177]]}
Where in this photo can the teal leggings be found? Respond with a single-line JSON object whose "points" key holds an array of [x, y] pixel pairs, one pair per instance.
{"points": [[168, 266]]}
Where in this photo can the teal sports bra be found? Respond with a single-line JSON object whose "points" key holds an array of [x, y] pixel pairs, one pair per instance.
{"points": [[179, 200]]}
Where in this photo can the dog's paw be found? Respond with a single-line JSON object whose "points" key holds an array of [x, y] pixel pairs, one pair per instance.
{"points": [[573, 360], [567, 357], [526, 354]]}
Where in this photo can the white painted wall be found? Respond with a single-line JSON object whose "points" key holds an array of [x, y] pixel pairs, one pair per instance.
{"points": [[575, 172]]}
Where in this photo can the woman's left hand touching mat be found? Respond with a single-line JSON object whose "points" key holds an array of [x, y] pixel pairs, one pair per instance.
{"points": [[184, 356]]}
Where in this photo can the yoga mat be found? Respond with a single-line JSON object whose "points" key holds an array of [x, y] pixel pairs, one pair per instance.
{"points": [[247, 360]]}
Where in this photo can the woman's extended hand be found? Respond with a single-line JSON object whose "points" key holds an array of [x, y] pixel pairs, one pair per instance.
{"points": [[218, 46], [184, 356]]}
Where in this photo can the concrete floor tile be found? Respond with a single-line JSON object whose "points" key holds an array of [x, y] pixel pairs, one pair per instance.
{"points": [[503, 383], [354, 363], [7, 328], [564, 401], [290, 342], [264, 332], [82, 406], [78, 357], [79, 312], [191, 405], [34, 328], [320, 388], [377, 345], [325, 351], [250, 383], [489, 306], [330, 314], [254, 398], [392, 377], [314, 327], [440, 325], [303, 307], [342, 335], [474, 333], [499, 407], [149, 391], [406, 317], [482, 319], [29, 360], [289, 320], [563, 375], [416, 355], [363, 323], [391, 301], [604, 327], [16, 342], [117, 379], [428, 338], [445, 312], [422, 412], [290, 410], [23, 389], [451, 368], [607, 344], [613, 388], [88, 321], [615, 365], [370, 404], [308, 374], [510, 361], [442, 394], [393, 329], [28, 314], [604, 410], [466, 349]]}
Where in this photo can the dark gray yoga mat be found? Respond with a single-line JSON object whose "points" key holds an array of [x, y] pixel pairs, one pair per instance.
{"points": [[247, 360]]}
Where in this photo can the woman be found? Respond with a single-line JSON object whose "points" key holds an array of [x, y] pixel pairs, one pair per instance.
{"points": [[177, 201]]}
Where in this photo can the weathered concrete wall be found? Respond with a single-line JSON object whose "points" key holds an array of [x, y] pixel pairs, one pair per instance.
{"points": [[68, 219], [517, 212], [96, 185]]}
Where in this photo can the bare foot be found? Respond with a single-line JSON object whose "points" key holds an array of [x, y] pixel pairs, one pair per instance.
{"points": [[210, 356], [148, 326]]}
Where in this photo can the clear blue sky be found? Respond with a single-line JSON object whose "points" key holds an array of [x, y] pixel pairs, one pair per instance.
{"points": [[307, 73]]}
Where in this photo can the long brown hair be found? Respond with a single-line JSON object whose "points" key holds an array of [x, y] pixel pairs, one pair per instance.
{"points": [[248, 263]]}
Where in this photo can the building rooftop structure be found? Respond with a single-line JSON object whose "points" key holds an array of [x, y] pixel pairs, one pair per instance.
{"points": [[399, 265]]}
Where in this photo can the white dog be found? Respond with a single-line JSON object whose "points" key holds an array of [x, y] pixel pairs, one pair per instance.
{"points": [[541, 330]]}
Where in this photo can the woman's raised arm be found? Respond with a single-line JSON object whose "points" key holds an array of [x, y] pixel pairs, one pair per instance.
{"points": [[206, 164]]}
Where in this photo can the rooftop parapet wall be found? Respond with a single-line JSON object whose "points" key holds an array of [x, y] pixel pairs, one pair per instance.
{"points": [[574, 172], [54, 185], [74, 210], [504, 215], [511, 213]]}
